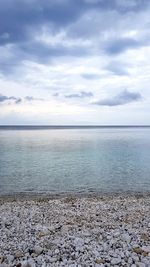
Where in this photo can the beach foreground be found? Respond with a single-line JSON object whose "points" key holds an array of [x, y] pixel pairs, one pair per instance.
{"points": [[75, 231]]}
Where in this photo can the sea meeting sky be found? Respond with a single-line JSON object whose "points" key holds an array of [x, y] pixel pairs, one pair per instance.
{"points": [[75, 62]]}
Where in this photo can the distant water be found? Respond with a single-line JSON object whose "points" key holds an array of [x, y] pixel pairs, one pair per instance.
{"points": [[74, 160]]}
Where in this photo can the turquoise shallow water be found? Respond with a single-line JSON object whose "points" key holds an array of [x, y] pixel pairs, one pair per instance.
{"points": [[75, 160]]}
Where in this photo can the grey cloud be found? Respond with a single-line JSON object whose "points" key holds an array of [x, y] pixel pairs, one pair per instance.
{"points": [[56, 94], [123, 98], [106, 15], [120, 45], [37, 52], [4, 98], [18, 100], [90, 76], [117, 68], [42, 52], [27, 18], [24, 13], [82, 94], [24, 16], [31, 98]]}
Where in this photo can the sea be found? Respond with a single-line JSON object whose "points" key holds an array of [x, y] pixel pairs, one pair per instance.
{"points": [[74, 159]]}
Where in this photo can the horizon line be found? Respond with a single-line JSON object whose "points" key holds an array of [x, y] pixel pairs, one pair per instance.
{"points": [[75, 125]]}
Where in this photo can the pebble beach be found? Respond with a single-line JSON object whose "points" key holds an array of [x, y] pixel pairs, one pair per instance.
{"points": [[75, 231]]}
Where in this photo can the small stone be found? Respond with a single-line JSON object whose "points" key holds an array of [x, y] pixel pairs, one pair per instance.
{"points": [[135, 257], [121, 254], [145, 254], [19, 254], [79, 242], [7, 224], [38, 250], [127, 253], [138, 250], [1, 258], [52, 259], [33, 255], [115, 261], [130, 261], [57, 251], [10, 258], [146, 249], [31, 263], [99, 261], [116, 234], [28, 263], [64, 229], [146, 261], [126, 238], [145, 236], [140, 264]]}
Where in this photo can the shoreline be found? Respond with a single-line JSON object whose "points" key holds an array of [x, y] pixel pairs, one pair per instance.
{"points": [[54, 196]]}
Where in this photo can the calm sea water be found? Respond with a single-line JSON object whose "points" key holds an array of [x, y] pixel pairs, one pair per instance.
{"points": [[43, 160]]}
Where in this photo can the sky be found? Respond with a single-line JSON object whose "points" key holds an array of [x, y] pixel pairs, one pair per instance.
{"points": [[74, 62]]}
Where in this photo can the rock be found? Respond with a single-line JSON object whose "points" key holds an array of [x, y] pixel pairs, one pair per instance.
{"points": [[116, 234], [130, 261], [57, 251], [44, 232], [146, 261], [25, 264], [28, 263], [135, 258], [121, 255], [99, 261], [19, 254], [64, 229], [78, 242], [10, 258], [4, 265], [53, 259], [126, 238], [1, 258], [116, 261], [146, 249], [145, 236], [140, 264], [138, 250], [31, 262], [38, 250], [7, 224]]}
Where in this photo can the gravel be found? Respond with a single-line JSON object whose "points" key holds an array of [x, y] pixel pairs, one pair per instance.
{"points": [[75, 231]]}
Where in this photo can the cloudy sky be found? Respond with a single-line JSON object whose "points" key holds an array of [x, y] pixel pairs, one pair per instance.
{"points": [[75, 62]]}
